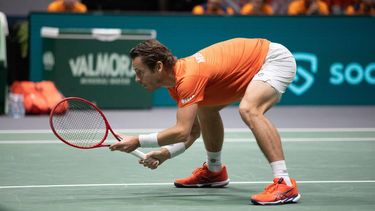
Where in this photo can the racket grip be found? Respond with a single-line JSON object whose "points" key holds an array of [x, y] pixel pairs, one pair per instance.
{"points": [[138, 154], [142, 155]]}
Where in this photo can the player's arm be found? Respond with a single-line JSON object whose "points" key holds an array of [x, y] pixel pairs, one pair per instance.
{"points": [[172, 150], [182, 130], [164, 152], [179, 133]]}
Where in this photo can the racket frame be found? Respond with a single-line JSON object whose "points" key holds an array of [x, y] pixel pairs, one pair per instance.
{"points": [[136, 153]]}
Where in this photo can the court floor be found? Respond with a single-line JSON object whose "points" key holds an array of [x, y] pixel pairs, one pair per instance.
{"points": [[335, 170]]}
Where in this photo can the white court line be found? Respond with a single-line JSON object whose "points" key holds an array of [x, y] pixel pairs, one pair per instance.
{"points": [[171, 184], [227, 140], [140, 130]]}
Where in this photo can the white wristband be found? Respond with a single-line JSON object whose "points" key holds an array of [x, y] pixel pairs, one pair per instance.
{"points": [[148, 140], [175, 149]]}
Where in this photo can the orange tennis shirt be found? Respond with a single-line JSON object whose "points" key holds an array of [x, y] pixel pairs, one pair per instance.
{"points": [[218, 74]]}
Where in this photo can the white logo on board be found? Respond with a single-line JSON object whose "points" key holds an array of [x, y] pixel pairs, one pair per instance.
{"points": [[48, 60]]}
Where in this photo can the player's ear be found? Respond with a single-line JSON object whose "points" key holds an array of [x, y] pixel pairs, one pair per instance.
{"points": [[159, 66]]}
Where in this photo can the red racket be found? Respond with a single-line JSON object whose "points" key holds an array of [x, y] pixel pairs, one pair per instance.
{"points": [[79, 123]]}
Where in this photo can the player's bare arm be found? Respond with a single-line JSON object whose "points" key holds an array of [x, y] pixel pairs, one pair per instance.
{"points": [[180, 132], [163, 154]]}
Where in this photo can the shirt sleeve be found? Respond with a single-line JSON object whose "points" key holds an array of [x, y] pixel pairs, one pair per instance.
{"points": [[173, 94], [191, 90]]}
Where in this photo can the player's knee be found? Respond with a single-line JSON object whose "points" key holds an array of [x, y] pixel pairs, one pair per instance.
{"points": [[249, 113]]}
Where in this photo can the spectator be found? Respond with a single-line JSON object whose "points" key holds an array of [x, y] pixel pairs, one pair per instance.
{"points": [[337, 7], [67, 6], [256, 7], [361, 7], [4, 31], [280, 7], [213, 7], [308, 7]]}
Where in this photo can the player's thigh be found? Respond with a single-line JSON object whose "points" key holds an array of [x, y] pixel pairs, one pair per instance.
{"points": [[272, 80], [259, 97]]}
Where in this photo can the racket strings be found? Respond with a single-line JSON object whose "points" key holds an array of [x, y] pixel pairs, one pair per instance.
{"points": [[80, 125]]}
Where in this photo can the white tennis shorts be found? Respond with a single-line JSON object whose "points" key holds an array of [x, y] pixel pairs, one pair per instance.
{"points": [[279, 68]]}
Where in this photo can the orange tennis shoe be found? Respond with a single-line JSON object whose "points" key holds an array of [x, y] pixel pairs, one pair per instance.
{"points": [[277, 193], [202, 177]]}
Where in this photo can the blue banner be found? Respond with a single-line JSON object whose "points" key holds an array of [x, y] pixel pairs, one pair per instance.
{"points": [[335, 55]]}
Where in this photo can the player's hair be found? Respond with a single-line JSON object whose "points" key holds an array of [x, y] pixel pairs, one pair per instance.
{"points": [[152, 51]]}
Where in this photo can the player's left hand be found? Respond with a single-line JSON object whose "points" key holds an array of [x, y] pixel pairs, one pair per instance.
{"points": [[155, 158], [128, 144]]}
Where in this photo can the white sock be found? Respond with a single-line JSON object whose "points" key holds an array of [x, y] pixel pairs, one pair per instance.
{"points": [[214, 161], [279, 170]]}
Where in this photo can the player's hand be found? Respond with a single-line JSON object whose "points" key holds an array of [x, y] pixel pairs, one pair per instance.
{"points": [[155, 158], [128, 144]]}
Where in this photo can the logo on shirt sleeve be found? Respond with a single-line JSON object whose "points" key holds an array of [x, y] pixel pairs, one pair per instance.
{"points": [[199, 58], [186, 100]]}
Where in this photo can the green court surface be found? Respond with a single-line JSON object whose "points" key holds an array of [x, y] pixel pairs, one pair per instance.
{"points": [[335, 170]]}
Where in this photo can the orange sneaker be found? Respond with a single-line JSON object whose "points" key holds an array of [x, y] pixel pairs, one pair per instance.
{"points": [[277, 193], [202, 177]]}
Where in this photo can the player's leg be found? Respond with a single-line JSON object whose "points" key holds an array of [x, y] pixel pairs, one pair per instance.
{"points": [[213, 135], [212, 173], [259, 97], [262, 93]]}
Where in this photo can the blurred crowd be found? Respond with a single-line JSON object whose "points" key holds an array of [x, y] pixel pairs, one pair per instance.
{"points": [[67, 6], [286, 7], [16, 33], [252, 7]]}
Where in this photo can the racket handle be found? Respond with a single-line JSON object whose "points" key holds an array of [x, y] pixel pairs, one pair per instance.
{"points": [[142, 155], [138, 154]]}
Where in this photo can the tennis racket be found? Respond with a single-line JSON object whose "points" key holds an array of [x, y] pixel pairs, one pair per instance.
{"points": [[81, 124]]}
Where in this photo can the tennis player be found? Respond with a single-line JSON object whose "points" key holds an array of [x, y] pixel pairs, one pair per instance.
{"points": [[255, 72]]}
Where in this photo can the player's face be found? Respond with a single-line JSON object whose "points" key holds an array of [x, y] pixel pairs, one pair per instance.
{"points": [[149, 79]]}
